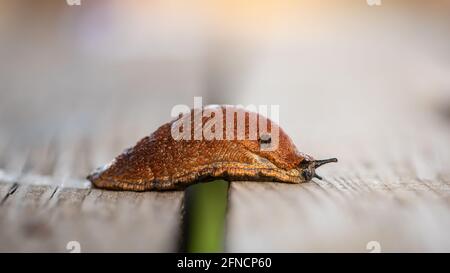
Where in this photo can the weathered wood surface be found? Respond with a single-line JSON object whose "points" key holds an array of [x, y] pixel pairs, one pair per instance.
{"points": [[47, 218], [45, 202], [343, 215]]}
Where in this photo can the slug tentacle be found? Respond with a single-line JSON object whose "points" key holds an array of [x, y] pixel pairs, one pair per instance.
{"points": [[318, 163], [318, 176], [162, 162]]}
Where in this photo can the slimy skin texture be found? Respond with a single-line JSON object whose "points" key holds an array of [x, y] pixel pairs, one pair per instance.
{"points": [[159, 162]]}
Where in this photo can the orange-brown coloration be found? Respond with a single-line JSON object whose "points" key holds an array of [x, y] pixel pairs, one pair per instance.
{"points": [[159, 162]]}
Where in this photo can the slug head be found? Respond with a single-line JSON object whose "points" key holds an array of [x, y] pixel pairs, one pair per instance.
{"points": [[275, 148], [287, 157], [308, 168]]}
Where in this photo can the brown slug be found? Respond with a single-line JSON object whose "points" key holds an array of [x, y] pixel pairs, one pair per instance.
{"points": [[160, 162]]}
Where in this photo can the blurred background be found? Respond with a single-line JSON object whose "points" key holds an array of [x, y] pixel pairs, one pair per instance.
{"points": [[367, 84]]}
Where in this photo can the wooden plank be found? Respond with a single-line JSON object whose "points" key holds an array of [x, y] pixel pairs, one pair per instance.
{"points": [[47, 203], [310, 217], [47, 218]]}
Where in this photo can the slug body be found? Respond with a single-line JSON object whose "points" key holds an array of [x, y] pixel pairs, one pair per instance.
{"points": [[160, 162]]}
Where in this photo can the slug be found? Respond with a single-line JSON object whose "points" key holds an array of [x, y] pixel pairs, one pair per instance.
{"points": [[161, 162]]}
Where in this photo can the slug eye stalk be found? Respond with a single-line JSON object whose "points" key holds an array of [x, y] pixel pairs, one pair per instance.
{"points": [[318, 163]]}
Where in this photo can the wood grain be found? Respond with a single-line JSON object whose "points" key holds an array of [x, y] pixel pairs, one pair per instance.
{"points": [[47, 217], [46, 203], [340, 216]]}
